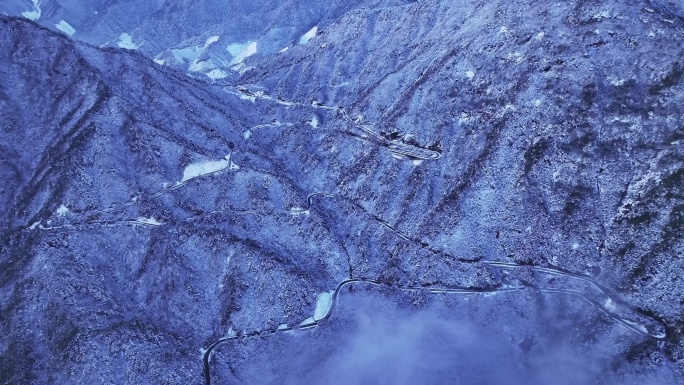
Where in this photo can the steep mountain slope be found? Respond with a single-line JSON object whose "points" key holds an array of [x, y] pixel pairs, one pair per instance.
{"points": [[570, 125], [205, 36], [515, 168], [94, 142]]}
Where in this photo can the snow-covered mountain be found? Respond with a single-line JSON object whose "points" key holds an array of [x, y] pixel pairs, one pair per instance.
{"points": [[209, 37], [379, 192]]}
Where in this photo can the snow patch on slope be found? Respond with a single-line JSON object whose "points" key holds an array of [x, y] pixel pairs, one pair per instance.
{"points": [[308, 36], [216, 74], [62, 210], [201, 66], [126, 42], [35, 13], [65, 27], [323, 304], [149, 221], [234, 49], [194, 170], [309, 322], [187, 54], [211, 40], [195, 58], [248, 51]]}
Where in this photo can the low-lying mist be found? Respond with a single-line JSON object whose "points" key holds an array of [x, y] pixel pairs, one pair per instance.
{"points": [[372, 340]]}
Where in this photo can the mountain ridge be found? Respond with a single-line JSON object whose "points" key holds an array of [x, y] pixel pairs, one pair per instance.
{"points": [[166, 210]]}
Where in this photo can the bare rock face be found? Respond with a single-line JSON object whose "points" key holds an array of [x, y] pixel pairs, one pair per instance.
{"points": [[411, 192]]}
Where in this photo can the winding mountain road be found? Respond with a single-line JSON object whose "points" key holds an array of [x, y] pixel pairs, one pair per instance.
{"points": [[661, 332]]}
